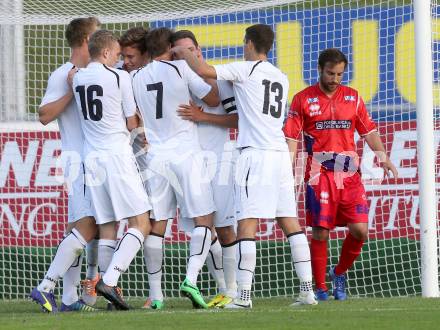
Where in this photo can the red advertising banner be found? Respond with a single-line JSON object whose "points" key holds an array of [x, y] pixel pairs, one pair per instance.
{"points": [[33, 202]]}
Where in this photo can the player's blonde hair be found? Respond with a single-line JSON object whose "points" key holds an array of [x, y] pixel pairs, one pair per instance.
{"points": [[79, 29], [99, 41]]}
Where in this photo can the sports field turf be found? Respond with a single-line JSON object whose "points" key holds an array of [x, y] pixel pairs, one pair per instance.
{"points": [[356, 314]]}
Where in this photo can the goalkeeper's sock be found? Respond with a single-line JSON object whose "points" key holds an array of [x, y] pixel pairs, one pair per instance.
{"points": [[71, 281], [229, 264], [106, 249], [128, 247], [247, 259], [92, 259], [318, 251], [351, 248], [215, 265], [198, 248], [153, 255], [299, 248], [68, 250]]}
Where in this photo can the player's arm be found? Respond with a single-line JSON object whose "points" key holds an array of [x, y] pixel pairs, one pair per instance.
{"points": [[293, 127], [202, 68], [367, 129], [51, 110], [196, 114], [212, 99], [375, 143], [128, 102]]}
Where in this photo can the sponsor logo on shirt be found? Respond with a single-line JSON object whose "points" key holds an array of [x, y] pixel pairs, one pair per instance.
{"points": [[312, 100], [314, 110], [333, 124], [350, 98]]}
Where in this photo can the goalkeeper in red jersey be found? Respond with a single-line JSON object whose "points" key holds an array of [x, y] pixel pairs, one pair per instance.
{"points": [[328, 114]]}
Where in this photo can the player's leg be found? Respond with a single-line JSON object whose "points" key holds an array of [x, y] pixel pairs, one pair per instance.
{"points": [[300, 251], [246, 258], [318, 251], [70, 248], [198, 251], [214, 261], [153, 255], [125, 192], [194, 196], [227, 239], [353, 212], [88, 294]]}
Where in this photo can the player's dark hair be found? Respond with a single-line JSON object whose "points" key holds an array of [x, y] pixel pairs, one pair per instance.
{"points": [[100, 40], [261, 36], [183, 34], [135, 37], [79, 29], [333, 56], [158, 41]]}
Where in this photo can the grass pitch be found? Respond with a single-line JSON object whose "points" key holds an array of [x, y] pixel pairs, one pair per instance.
{"points": [[275, 313]]}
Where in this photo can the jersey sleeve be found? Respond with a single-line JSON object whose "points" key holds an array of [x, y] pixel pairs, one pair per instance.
{"points": [[227, 96], [294, 123], [128, 103], [57, 87], [197, 85], [235, 72], [364, 123]]}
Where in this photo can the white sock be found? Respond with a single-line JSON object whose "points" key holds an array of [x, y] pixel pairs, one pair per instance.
{"points": [[128, 247], [198, 249], [92, 258], [71, 281], [153, 255], [214, 261], [246, 261], [300, 250], [106, 249], [68, 250], [229, 264]]}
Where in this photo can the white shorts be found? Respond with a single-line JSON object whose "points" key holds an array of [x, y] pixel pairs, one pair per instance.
{"points": [[116, 187], [222, 185], [264, 185], [181, 181], [79, 204]]}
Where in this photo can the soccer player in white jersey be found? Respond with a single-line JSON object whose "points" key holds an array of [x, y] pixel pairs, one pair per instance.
{"points": [[135, 56], [264, 176], [58, 103], [174, 167], [214, 136], [107, 109]]}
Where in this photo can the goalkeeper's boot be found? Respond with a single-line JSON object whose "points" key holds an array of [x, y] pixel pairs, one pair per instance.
{"points": [[78, 306], [321, 294], [305, 298], [89, 295], [216, 300], [193, 293], [45, 299], [338, 285], [112, 294], [153, 304], [239, 304]]}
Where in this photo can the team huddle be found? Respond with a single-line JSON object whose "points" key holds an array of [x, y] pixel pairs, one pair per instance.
{"points": [[147, 137]]}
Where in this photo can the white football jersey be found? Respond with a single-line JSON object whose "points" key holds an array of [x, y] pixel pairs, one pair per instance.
{"points": [[159, 88], [261, 94], [104, 97], [213, 137], [69, 122]]}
